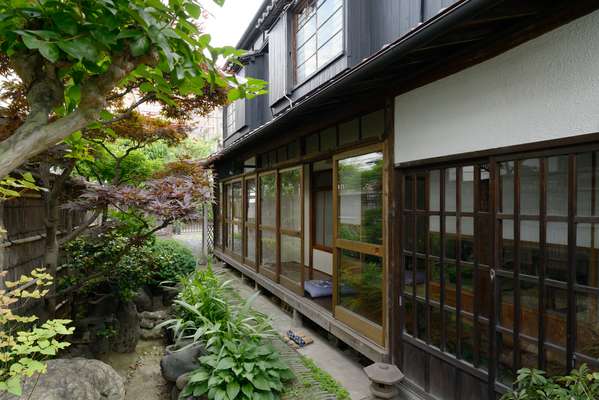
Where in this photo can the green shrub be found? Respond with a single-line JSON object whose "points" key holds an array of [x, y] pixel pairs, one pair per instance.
{"points": [[532, 384], [170, 261]]}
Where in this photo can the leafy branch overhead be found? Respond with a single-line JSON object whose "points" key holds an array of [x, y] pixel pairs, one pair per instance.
{"points": [[74, 57]]}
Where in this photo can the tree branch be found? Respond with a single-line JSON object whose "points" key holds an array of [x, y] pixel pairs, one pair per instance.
{"points": [[79, 230]]}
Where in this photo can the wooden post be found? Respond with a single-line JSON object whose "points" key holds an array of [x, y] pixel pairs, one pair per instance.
{"points": [[205, 234]]}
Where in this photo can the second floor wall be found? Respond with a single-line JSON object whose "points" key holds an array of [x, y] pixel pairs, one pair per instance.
{"points": [[311, 42]]}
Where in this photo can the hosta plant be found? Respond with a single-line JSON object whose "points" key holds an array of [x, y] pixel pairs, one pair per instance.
{"points": [[25, 345], [239, 370]]}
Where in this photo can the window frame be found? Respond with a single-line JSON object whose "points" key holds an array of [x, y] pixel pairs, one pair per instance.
{"points": [[230, 119], [250, 225], [294, 31]]}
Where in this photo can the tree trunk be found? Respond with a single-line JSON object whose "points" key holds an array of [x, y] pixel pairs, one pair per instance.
{"points": [[3, 237]]}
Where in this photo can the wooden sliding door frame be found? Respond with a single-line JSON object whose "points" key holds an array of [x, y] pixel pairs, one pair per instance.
{"points": [[290, 284], [371, 330], [250, 225]]}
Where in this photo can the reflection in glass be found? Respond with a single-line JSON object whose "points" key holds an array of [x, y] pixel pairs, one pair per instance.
{"points": [[268, 255], [250, 213], [529, 308], [530, 253], [506, 187], [556, 251], [323, 218], [237, 243], [237, 200], [291, 259], [587, 245], [434, 232], [434, 199], [467, 339], [467, 189], [451, 242], [360, 191], [421, 193], [290, 192], [250, 252], [450, 189], [451, 325], [587, 184], [506, 254], [556, 314], [557, 183], [421, 319], [505, 359], [529, 353], [587, 324], [530, 188], [421, 233], [360, 284], [555, 362], [436, 322], [467, 239], [409, 193], [408, 275], [268, 204], [506, 302]]}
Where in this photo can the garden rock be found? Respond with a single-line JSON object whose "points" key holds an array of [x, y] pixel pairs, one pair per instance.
{"points": [[74, 379], [177, 363], [169, 294], [128, 329], [151, 334], [182, 381], [142, 300]]}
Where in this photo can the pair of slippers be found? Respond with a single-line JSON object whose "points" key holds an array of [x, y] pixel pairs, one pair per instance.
{"points": [[298, 339]]}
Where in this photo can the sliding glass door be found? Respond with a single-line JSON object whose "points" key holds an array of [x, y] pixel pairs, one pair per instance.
{"points": [[359, 255], [250, 221], [291, 228], [269, 253]]}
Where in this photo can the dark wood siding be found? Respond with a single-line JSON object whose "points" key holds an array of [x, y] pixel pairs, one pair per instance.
{"points": [[278, 64], [359, 35]]}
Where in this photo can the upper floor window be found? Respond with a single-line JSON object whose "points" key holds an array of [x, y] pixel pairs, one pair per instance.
{"points": [[230, 115], [318, 35]]}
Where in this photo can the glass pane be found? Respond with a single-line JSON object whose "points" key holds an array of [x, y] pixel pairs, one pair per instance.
{"points": [[529, 353], [483, 229], [306, 51], [451, 329], [328, 220], [434, 280], [587, 245], [506, 187], [467, 339], [421, 320], [421, 233], [291, 261], [506, 248], [555, 362], [229, 200], [467, 189], [349, 132], [420, 277], [530, 253], [421, 192], [268, 255], [436, 321], [373, 124], [451, 241], [434, 199], [330, 27], [326, 8], [324, 218], [237, 200], [467, 295], [409, 315], [530, 189], [250, 189], [557, 185], [505, 361], [330, 50], [306, 69], [408, 232], [450, 189], [361, 198], [306, 31], [484, 187], [306, 12], [250, 251], [268, 200], [556, 251], [360, 284], [587, 195], [529, 309], [312, 143], [237, 239], [506, 302], [290, 192], [408, 275], [435, 236], [587, 324], [556, 314], [467, 239]]}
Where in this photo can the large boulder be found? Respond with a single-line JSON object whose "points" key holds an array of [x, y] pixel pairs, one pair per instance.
{"points": [[74, 379], [127, 327], [177, 363], [143, 300]]}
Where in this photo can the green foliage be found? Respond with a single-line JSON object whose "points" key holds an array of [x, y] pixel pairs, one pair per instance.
{"points": [[12, 187], [170, 261], [82, 38], [25, 345], [532, 384], [112, 262], [239, 365], [240, 370]]}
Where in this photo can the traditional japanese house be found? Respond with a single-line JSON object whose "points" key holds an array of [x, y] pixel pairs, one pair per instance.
{"points": [[422, 181]]}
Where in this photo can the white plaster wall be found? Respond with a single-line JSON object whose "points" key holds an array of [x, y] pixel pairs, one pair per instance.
{"points": [[543, 89], [323, 261]]}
